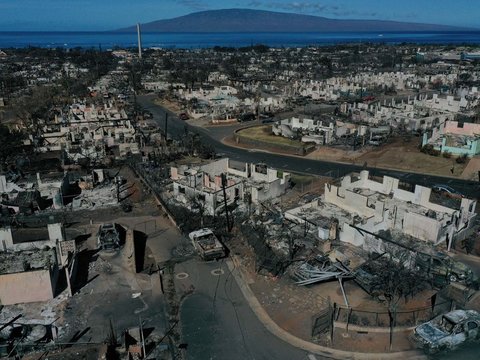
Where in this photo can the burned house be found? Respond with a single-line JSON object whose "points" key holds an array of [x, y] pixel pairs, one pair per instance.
{"points": [[29, 266], [89, 133], [58, 190], [28, 276], [19, 199], [246, 183], [30, 263], [96, 189], [359, 201], [456, 138], [29, 195]]}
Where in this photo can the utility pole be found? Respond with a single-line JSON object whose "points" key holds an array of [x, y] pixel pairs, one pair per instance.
{"points": [[132, 76], [142, 337], [117, 182], [166, 127], [224, 184], [290, 244]]}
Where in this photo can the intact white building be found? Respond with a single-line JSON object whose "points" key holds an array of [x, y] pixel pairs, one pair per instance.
{"points": [[323, 133]]}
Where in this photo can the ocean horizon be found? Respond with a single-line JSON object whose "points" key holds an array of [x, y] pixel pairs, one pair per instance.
{"points": [[110, 40]]}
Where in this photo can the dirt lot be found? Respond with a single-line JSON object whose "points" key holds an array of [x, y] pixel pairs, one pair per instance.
{"points": [[398, 154], [172, 106], [294, 307]]}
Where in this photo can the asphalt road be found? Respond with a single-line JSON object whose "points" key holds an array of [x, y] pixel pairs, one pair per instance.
{"points": [[217, 322], [176, 128]]}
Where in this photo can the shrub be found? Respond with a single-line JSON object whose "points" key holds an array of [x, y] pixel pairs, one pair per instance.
{"points": [[354, 319], [468, 244], [428, 149], [447, 155], [365, 321], [462, 159]]}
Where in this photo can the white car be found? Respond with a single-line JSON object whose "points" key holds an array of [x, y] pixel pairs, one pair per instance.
{"points": [[207, 244], [448, 331], [447, 191]]}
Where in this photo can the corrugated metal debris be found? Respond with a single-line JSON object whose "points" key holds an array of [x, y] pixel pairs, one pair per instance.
{"points": [[319, 269]]}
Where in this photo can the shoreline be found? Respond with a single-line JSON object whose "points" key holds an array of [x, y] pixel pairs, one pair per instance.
{"points": [[208, 40]]}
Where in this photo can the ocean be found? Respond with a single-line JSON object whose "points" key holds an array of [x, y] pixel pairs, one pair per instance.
{"points": [[109, 40]]}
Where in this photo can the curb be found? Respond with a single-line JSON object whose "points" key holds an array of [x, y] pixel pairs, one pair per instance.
{"points": [[330, 161], [359, 165], [324, 351]]}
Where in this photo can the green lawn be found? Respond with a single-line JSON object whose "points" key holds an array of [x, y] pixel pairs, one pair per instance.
{"points": [[264, 133]]}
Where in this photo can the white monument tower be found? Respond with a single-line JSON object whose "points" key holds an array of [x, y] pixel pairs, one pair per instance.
{"points": [[139, 42]]}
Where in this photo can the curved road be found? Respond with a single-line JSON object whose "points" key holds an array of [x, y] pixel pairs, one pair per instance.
{"points": [[176, 128], [218, 323]]}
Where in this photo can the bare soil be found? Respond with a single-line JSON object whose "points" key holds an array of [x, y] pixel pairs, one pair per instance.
{"points": [[169, 105], [400, 154], [397, 154], [294, 307]]}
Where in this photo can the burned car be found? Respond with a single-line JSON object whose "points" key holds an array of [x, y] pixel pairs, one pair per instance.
{"points": [[108, 237], [207, 244], [442, 266], [447, 331], [365, 278]]}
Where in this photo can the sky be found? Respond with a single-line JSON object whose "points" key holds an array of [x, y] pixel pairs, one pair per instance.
{"points": [[97, 15]]}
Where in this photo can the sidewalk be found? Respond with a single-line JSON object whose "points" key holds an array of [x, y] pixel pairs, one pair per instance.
{"points": [[276, 330]]}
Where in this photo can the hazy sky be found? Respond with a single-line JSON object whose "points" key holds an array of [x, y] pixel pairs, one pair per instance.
{"points": [[91, 15]]}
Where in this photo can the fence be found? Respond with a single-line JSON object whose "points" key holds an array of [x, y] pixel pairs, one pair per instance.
{"points": [[323, 322], [363, 317], [338, 316]]}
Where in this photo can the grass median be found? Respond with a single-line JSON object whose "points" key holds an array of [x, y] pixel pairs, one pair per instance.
{"points": [[264, 133]]}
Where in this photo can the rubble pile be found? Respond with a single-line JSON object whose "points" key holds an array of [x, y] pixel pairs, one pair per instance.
{"points": [[317, 270], [101, 196]]}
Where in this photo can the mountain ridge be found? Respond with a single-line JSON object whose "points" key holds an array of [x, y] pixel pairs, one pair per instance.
{"points": [[250, 20]]}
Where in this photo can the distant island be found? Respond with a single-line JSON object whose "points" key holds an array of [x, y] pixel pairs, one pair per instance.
{"points": [[247, 20]]}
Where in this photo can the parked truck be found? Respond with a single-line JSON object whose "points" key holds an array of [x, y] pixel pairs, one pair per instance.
{"points": [[207, 244]]}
